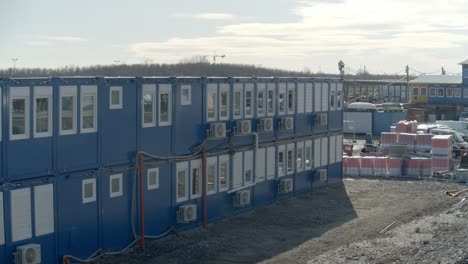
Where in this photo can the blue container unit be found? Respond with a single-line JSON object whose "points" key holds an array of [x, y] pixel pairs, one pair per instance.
{"points": [[286, 107], [27, 216], [335, 115], [335, 165], [76, 115], [243, 111], [446, 94], [188, 127], [304, 166], [28, 144], [321, 105], [381, 121], [305, 119], [119, 123], [265, 112]]}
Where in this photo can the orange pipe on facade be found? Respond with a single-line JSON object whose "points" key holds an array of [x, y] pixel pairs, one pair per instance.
{"points": [[142, 202], [204, 185]]}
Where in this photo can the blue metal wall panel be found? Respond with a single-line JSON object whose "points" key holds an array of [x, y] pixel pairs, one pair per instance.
{"points": [[46, 241], [77, 151], [116, 208], [383, 120], [187, 123], [119, 126], [264, 192], [148, 136], [78, 222], [39, 158]]}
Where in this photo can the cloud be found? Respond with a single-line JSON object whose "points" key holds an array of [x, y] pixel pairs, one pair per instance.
{"points": [[37, 43], [360, 30], [64, 39], [206, 16]]}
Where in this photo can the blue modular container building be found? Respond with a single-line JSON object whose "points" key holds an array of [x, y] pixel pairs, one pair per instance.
{"points": [[94, 163]]}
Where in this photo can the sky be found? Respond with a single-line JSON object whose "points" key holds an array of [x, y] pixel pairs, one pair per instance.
{"points": [[384, 35]]}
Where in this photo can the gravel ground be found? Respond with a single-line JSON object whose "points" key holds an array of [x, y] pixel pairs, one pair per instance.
{"points": [[334, 224]]}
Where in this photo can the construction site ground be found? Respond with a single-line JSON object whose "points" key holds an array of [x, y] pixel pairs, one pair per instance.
{"points": [[359, 221]]}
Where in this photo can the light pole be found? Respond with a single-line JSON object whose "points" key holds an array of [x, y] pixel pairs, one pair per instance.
{"points": [[14, 65], [217, 56]]}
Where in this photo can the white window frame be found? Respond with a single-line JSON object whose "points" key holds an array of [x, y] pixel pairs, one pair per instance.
{"points": [[237, 170], [290, 149], [455, 92], [443, 90], [187, 101], [20, 214], [271, 163], [89, 90], [300, 151], [291, 87], [238, 88], [332, 96], [44, 209], [212, 88], [308, 145], [325, 96], [93, 197], [248, 165], [151, 89], [212, 161], [119, 177], [282, 90], [309, 97], [120, 104], [261, 88], [271, 87], [20, 93], [224, 159], [339, 96], [300, 98], [148, 173], [196, 164], [249, 87], [41, 92], [446, 91], [66, 91], [165, 89], [182, 166], [324, 158], [224, 88], [260, 168], [317, 97], [332, 150], [339, 148], [317, 152], [282, 171]]}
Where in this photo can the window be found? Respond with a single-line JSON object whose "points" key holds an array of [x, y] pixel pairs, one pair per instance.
{"points": [[67, 110], [115, 97], [415, 91], [224, 102], [299, 159], [42, 111], [281, 160], [332, 99], [248, 103], [238, 100], [153, 178], [195, 180], [261, 99], [88, 109], [440, 92], [291, 100], [19, 113], [281, 103], [271, 163], [165, 105], [449, 92], [248, 166], [223, 173], [182, 182], [423, 91], [308, 157], [433, 92], [115, 185], [290, 161], [271, 100], [211, 102], [457, 92], [89, 190], [186, 95], [211, 176], [338, 96], [260, 165], [149, 105]]}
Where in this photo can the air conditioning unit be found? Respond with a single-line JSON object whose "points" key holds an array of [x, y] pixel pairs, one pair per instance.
{"points": [[287, 123], [244, 127], [265, 125], [187, 213], [242, 198], [218, 130], [324, 119], [285, 186], [321, 175], [28, 254]]}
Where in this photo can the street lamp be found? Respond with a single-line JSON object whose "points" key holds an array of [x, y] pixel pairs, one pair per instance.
{"points": [[14, 65]]}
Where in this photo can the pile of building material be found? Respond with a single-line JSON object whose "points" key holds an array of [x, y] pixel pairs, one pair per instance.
{"points": [[406, 127], [441, 152]]}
